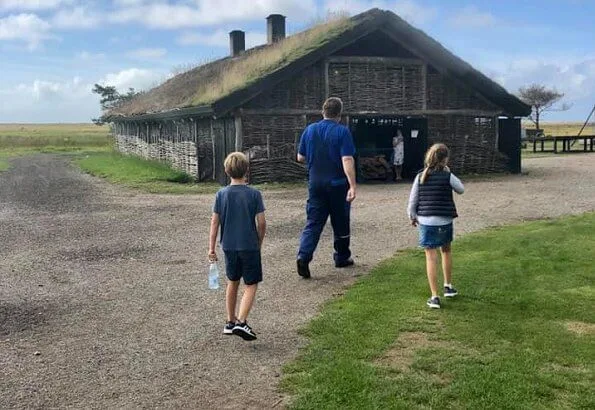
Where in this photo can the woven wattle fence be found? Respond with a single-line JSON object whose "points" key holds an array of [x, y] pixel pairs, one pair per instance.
{"points": [[472, 143], [276, 169]]}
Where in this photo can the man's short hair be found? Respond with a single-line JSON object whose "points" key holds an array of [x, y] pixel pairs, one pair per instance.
{"points": [[332, 107], [236, 165]]}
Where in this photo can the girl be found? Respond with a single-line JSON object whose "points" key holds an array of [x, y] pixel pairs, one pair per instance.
{"points": [[431, 206], [397, 155]]}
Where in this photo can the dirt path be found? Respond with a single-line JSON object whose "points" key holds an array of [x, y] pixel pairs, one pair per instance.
{"points": [[103, 297]]}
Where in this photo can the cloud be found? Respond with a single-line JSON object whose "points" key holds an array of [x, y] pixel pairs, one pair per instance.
{"points": [[25, 27], [472, 17], [88, 56], [196, 13], [76, 18], [69, 100], [219, 38], [137, 78], [573, 75], [41, 90], [31, 4], [148, 53], [407, 9]]}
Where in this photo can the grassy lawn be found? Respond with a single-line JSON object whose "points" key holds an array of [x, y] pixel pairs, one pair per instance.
{"points": [[153, 176], [519, 335], [4, 165], [135, 172]]}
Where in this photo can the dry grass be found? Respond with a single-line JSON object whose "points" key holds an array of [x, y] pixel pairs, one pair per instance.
{"points": [[243, 72], [205, 84], [580, 328], [563, 128], [24, 137]]}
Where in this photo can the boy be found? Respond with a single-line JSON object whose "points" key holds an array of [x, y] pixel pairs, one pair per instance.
{"points": [[239, 210]]}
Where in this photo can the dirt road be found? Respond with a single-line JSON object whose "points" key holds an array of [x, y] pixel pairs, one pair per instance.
{"points": [[103, 295]]}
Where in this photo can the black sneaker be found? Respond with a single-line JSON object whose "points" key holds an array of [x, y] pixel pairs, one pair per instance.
{"points": [[434, 302], [228, 328], [450, 292], [344, 264], [244, 331], [303, 269]]}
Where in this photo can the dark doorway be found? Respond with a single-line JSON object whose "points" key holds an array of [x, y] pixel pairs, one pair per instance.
{"points": [[509, 142], [373, 141]]}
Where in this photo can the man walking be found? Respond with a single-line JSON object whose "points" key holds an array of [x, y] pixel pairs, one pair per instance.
{"points": [[327, 149]]}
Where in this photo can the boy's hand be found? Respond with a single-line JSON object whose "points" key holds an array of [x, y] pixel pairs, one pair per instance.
{"points": [[212, 256], [414, 222]]}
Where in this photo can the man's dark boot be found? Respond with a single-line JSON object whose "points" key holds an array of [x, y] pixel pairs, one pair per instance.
{"points": [[303, 269], [344, 264]]}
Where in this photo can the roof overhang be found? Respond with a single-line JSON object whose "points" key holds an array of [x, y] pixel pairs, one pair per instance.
{"points": [[200, 111]]}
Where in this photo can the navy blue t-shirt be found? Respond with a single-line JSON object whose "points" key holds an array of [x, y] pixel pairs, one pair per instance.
{"points": [[237, 206], [323, 144]]}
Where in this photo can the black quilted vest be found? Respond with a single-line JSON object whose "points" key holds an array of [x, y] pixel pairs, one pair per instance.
{"points": [[435, 196]]}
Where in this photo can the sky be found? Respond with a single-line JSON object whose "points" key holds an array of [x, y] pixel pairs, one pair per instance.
{"points": [[53, 51]]}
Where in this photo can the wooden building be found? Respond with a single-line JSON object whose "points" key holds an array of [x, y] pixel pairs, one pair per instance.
{"points": [[390, 76]]}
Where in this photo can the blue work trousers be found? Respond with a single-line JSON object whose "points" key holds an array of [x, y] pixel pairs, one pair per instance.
{"points": [[325, 201]]}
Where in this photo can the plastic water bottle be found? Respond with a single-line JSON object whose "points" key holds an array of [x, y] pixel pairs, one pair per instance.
{"points": [[213, 276]]}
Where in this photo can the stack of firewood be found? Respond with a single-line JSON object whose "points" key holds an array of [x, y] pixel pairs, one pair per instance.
{"points": [[374, 168]]}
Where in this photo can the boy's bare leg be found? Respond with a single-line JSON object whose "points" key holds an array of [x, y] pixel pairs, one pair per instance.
{"points": [[432, 268], [247, 301], [446, 263], [231, 297]]}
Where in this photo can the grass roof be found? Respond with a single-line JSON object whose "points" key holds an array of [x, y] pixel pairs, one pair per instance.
{"points": [[210, 82]]}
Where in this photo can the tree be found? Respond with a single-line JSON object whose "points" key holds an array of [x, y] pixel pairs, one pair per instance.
{"points": [[541, 100], [111, 98]]}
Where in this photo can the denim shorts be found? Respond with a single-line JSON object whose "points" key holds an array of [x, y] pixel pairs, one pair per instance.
{"points": [[431, 237], [243, 264]]}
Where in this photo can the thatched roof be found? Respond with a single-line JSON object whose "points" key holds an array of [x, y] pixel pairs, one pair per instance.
{"points": [[218, 87]]}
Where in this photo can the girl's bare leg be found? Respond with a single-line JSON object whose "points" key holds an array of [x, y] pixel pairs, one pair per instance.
{"points": [[231, 297], [446, 263], [431, 269]]}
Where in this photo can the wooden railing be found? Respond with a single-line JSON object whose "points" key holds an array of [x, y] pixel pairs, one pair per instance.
{"points": [[552, 144]]}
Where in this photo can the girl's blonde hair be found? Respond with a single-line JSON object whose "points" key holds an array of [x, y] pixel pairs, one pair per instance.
{"points": [[434, 160]]}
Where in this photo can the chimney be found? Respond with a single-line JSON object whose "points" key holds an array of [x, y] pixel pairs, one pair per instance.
{"points": [[237, 42], [275, 28]]}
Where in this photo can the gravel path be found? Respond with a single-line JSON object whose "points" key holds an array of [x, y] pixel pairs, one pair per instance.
{"points": [[103, 296]]}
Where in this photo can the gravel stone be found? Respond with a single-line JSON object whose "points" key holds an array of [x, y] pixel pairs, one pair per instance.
{"points": [[112, 283]]}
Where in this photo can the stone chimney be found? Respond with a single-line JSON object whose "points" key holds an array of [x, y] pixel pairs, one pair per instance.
{"points": [[237, 42], [275, 28]]}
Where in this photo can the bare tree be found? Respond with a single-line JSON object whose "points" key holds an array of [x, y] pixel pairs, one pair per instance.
{"points": [[541, 100]]}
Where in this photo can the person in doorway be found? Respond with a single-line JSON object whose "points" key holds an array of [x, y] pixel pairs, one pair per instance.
{"points": [[239, 210], [431, 207], [327, 149], [398, 155]]}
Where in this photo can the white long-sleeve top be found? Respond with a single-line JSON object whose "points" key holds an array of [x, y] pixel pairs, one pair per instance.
{"points": [[456, 185]]}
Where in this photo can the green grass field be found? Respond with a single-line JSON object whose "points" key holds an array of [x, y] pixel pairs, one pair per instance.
{"points": [[519, 335], [138, 173]]}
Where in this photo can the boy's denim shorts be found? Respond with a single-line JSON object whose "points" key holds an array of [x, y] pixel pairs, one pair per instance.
{"points": [[243, 264], [431, 237]]}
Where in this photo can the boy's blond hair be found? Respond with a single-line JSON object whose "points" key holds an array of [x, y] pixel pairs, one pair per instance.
{"points": [[236, 165]]}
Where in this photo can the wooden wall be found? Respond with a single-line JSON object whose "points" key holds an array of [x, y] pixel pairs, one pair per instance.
{"points": [[185, 144], [472, 141]]}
